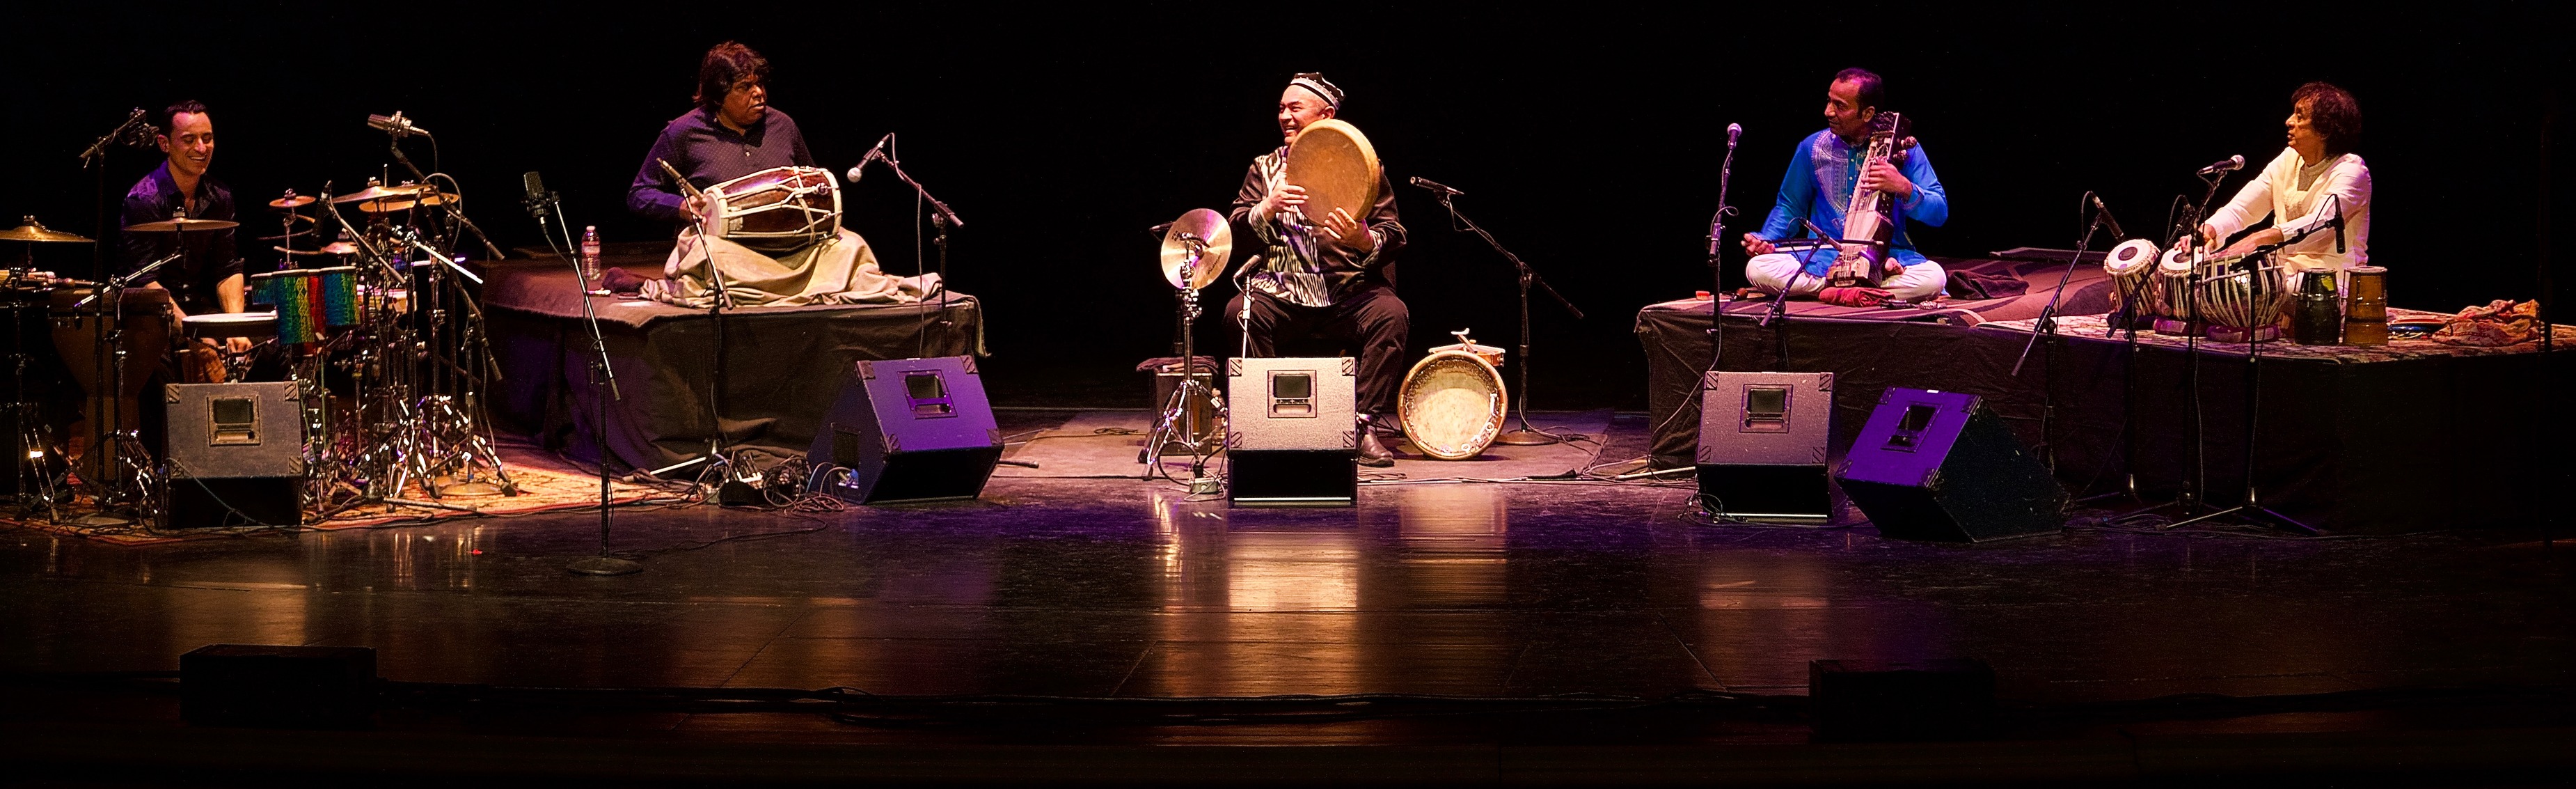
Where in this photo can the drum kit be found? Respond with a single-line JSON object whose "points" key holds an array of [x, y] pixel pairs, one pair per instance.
{"points": [[391, 394]]}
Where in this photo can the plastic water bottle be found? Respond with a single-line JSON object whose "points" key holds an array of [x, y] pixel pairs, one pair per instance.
{"points": [[590, 254]]}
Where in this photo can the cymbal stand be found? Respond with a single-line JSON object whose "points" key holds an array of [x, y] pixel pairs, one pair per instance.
{"points": [[449, 433], [1525, 435], [1180, 413], [32, 481], [125, 468]]}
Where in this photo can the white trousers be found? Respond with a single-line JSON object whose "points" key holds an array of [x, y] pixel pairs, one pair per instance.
{"points": [[1772, 273]]}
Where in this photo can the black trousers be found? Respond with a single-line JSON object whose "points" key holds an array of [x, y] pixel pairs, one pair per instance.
{"points": [[1369, 322]]}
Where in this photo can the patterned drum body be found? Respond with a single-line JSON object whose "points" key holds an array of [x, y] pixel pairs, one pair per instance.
{"points": [[2243, 304], [1452, 404], [2172, 301], [2132, 266], [778, 210], [309, 301]]}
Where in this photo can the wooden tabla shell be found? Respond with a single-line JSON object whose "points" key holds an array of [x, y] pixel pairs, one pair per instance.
{"points": [[1338, 168], [1452, 404], [2171, 302], [781, 209], [2132, 266]]}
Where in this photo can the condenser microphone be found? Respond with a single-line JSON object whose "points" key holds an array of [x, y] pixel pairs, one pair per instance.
{"points": [[2104, 212], [1733, 130], [537, 197], [1435, 186], [395, 124], [2232, 164]]}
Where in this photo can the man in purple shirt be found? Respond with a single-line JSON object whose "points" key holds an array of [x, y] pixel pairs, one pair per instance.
{"points": [[208, 279], [732, 133]]}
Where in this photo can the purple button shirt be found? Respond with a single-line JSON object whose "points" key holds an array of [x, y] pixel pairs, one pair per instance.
{"points": [[710, 154]]}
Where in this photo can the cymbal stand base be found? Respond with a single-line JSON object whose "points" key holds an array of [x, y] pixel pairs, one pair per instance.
{"points": [[1178, 422]]}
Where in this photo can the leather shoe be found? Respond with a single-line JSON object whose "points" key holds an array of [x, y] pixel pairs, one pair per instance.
{"points": [[1372, 452]]}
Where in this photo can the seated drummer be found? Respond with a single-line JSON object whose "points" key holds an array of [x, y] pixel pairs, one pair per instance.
{"points": [[1331, 283], [1822, 175], [2299, 189], [208, 279], [732, 133]]}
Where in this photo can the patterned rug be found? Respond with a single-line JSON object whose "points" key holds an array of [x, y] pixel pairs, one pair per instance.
{"points": [[541, 489]]}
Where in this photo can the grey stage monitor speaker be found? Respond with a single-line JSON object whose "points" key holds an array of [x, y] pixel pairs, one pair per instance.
{"points": [[1291, 432], [907, 430], [1935, 465], [236, 454], [1762, 445]]}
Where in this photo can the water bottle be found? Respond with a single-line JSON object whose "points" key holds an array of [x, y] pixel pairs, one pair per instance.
{"points": [[590, 254]]}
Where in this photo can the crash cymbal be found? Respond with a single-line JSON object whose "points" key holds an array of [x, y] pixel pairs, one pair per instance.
{"points": [[433, 198], [338, 248], [295, 234], [183, 225], [291, 200], [297, 251], [1207, 228], [378, 193], [33, 230]]}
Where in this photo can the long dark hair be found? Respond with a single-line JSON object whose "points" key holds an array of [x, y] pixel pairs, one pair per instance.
{"points": [[2333, 113], [727, 64]]}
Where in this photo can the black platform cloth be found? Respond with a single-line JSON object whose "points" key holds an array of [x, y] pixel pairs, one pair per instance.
{"points": [[782, 366], [2429, 437]]}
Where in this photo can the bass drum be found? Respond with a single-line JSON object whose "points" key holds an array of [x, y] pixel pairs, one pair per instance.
{"points": [[1452, 404]]}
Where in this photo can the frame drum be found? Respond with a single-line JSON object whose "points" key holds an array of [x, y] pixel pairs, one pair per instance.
{"points": [[778, 210], [1338, 168], [1452, 403]]}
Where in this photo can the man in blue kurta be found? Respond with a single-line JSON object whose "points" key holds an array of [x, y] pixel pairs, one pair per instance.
{"points": [[1828, 165]]}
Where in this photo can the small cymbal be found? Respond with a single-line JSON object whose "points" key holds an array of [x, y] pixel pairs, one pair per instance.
{"points": [[291, 200], [33, 230], [1208, 229], [183, 225], [297, 251], [434, 198], [295, 234], [378, 193]]}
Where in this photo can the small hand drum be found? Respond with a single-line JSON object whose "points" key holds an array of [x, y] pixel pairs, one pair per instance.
{"points": [[1453, 401], [778, 210], [1338, 169]]}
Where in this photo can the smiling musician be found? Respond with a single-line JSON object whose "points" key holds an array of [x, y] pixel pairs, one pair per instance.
{"points": [[1827, 169]]}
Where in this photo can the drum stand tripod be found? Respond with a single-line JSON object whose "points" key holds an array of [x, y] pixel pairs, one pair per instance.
{"points": [[1180, 411]]}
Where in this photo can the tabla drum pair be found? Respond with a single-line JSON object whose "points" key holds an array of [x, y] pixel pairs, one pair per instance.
{"points": [[1453, 401], [778, 210]]}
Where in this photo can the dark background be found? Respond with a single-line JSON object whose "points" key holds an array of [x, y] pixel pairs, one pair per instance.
{"points": [[1587, 137]]}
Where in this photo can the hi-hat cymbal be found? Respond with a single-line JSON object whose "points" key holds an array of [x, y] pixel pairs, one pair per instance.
{"points": [[33, 230], [291, 200], [1207, 228], [183, 225], [433, 198], [378, 193]]}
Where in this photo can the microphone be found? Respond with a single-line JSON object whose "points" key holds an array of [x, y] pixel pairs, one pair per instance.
{"points": [[875, 151], [1435, 186], [2232, 164], [395, 124], [2104, 212], [2338, 223], [537, 197], [1733, 130]]}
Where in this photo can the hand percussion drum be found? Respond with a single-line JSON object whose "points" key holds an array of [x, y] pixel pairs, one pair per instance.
{"points": [[2132, 266], [230, 324], [2243, 298], [778, 210], [2175, 314], [145, 339], [309, 301], [2365, 317], [1338, 169], [1453, 401]]}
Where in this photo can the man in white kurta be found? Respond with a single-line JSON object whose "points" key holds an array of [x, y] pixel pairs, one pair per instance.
{"points": [[2303, 188]]}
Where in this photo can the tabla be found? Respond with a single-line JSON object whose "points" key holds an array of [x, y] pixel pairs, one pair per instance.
{"points": [[2175, 314], [778, 210], [1453, 401], [2243, 298], [1338, 168], [2132, 266], [309, 301]]}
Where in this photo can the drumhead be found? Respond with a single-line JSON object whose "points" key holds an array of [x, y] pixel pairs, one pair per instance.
{"points": [[2175, 263], [231, 324], [1338, 168], [1452, 405], [2131, 257]]}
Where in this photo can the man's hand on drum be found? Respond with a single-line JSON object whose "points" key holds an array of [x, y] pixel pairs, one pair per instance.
{"points": [[1348, 232], [694, 208], [1280, 199], [1756, 245]]}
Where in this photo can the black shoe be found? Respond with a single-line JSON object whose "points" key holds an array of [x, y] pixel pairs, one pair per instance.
{"points": [[1372, 452]]}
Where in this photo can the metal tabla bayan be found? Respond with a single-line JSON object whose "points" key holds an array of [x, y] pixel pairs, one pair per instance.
{"points": [[2243, 298], [1453, 401], [778, 210]]}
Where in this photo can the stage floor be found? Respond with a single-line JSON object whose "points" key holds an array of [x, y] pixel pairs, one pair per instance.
{"points": [[1099, 587]]}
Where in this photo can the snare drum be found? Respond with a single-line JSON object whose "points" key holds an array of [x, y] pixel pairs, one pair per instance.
{"points": [[309, 301], [781, 209], [1453, 402], [231, 324], [2132, 266]]}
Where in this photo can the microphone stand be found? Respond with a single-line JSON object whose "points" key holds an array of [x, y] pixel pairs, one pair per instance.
{"points": [[1780, 301], [456, 212], [1526, 435], [540, 206], [1716, 268], [2047, 327], [942, 218], [94, 158], [2195, 478]]}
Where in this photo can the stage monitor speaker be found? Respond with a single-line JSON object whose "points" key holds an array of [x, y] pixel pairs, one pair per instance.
{"points": [[278, 687], [907, 430], [1935, 465], [1762, 445], [1291, 432], [235, 454]]}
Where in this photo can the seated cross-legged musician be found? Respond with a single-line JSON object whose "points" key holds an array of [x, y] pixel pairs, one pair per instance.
{"points": [[1323, 277], [2301, 188], [1823, 173]]}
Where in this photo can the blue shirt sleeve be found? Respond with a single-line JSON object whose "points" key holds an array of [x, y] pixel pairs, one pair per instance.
{"points": [[1930, 204], [649, 196], [1797, 191]]}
